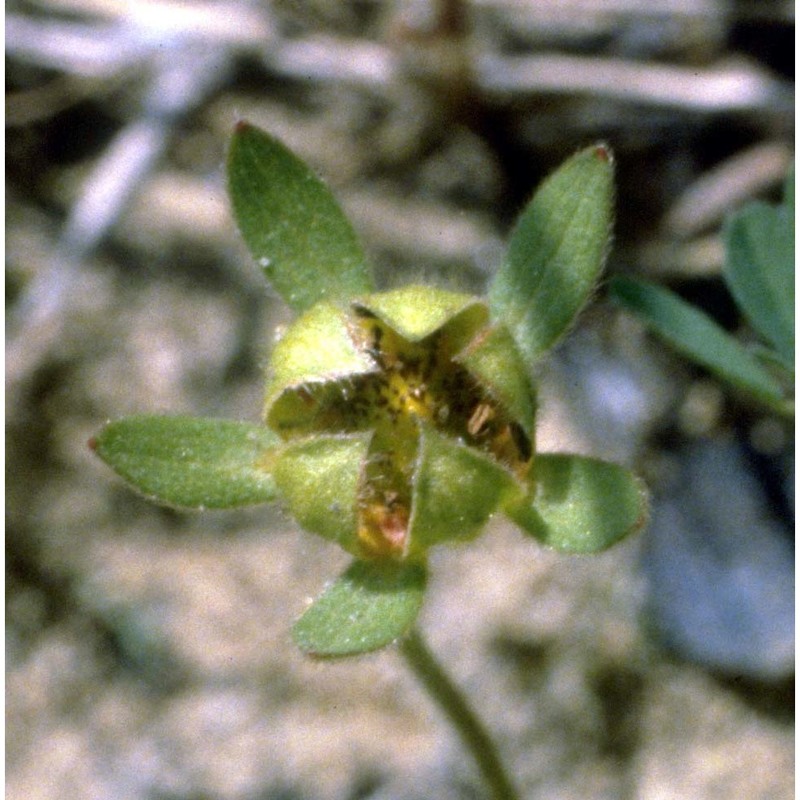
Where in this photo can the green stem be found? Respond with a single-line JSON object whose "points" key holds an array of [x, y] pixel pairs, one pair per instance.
{"points": [[439, 686]]}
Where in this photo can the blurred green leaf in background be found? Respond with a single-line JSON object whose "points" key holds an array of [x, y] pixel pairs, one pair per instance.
{"points": [[759, 272]]}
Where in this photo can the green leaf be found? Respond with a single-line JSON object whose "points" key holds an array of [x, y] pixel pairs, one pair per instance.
{"points": [[319, 478], [190, 462], [292, 224], [697, 336], [581, 505], [556, 252], [788, 192], [759, 270], [366, 608]]}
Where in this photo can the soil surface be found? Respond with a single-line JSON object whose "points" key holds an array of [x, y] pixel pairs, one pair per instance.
{"points": [[148, 650]]}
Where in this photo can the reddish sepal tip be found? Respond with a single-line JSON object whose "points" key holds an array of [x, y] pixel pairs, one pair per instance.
{"points": [[602, 152]]}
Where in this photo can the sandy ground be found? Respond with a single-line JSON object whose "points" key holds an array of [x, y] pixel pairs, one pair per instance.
{"points": [[148, 651]]}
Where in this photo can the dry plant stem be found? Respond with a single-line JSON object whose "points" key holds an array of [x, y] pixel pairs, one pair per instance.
{"points": [[439, 686]]}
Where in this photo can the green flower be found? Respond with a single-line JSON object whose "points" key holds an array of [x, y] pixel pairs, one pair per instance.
{"points": [[409, 428], [398, 420]]}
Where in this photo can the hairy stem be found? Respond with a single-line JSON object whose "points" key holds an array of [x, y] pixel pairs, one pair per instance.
{"points": [[455, 706]]}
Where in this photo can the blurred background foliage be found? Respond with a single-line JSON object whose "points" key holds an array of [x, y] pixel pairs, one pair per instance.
{"points": [[147, 650]]}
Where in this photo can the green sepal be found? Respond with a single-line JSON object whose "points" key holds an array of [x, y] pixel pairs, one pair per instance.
{"points": [[418, 311], [759, 270], [292, 224], [316, 349], [366, 608], [319, 479], [698, 337], [556, 253], [493, 358], [456, 489], [579, 504], [189, 462]]}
